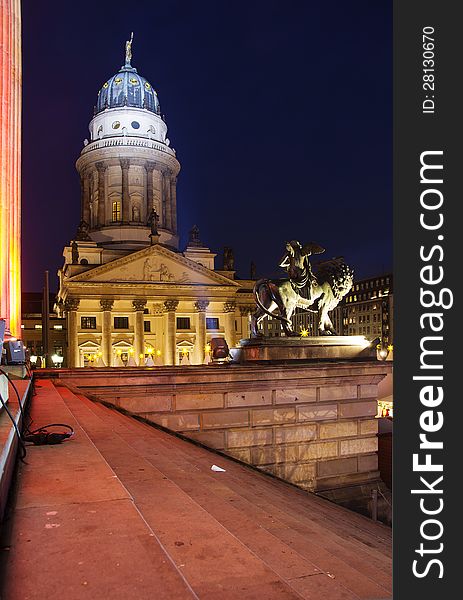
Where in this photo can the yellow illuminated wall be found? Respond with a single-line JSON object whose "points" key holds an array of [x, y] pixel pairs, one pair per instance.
{"points": [[10, 164]]}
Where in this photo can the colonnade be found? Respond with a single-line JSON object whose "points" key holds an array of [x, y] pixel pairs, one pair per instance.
{"points": [[168, 194], [168, 312]]}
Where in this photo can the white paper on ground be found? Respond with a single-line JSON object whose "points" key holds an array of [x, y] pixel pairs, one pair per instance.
{"points": [[218, 469]]}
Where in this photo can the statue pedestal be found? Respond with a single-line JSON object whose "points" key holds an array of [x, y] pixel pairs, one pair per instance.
{"points": [[291, 349]]}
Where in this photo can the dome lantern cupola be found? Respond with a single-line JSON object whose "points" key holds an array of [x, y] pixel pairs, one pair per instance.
{"points": [[127, 88]]}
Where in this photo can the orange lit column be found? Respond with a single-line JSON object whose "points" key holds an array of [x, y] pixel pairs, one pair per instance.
{"points": [[10, 160]]}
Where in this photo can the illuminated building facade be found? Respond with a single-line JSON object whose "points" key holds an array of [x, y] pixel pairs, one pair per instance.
{"points": [[368, 309], [129, 295], [10, 164]]}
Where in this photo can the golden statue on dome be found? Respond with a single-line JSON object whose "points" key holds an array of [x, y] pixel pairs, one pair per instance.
{"points": [[128, 50]]}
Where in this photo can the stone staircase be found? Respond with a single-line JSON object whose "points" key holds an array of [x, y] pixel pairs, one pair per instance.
{"points": [[125, 510]]}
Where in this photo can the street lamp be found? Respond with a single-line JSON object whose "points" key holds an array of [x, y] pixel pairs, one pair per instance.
{"points": [[57, 360]]}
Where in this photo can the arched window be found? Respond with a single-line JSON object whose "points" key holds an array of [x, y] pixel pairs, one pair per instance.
{"points": [[116, 211]]}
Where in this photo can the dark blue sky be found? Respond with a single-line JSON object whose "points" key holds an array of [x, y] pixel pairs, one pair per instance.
{"points": [[280, 113]]}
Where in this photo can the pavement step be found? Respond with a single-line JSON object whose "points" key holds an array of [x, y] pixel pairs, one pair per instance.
{"points": [[269, 528], [215, 563], [329, 517], [73, 523]]}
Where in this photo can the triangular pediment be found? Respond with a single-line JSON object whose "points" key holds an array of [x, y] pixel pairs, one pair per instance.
{"points": [[154, 264]]}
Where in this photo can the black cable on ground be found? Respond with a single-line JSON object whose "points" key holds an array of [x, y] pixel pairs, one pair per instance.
{"points": [[40, 436]]}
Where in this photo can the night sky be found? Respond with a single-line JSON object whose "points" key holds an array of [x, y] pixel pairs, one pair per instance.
{"points": [[280, 113]]}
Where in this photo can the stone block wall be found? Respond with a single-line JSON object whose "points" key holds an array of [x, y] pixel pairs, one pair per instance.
{"points": [[312, 425]]}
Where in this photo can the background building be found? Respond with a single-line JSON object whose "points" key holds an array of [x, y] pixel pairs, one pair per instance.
{"points": [[32, 328], [368, 309], [129, 294]]}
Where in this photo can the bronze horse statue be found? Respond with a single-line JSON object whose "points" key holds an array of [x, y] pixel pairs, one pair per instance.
{"points": [[324, 289]]}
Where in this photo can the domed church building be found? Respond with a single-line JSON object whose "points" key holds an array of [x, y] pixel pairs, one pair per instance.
{"points": [[130, 295]]}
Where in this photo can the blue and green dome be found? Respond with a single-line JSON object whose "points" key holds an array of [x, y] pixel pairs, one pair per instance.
{"points": [[127, 88]]}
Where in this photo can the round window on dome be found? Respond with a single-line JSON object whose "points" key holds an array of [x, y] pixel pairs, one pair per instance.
{"points": [[116, 125], [105, 85], [133, 81], [135, 125], [118, 80], [147, 85]]}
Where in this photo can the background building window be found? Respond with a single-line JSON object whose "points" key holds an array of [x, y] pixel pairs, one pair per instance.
{"points": [[183, 322], [88, 322], [146, 326], [116, 212], [121, 322], [212, 323]]}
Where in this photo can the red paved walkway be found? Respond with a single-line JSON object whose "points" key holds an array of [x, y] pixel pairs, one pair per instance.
{"points": [[127, 511]]}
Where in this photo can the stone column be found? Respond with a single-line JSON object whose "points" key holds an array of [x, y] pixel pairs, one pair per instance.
{"points": [[201, 307], [71, 305], [106, 306], [10, 165], [149, 168], [245, 311], [170, 340], [173, 198], [229, 310], [85, 197], [125, 165], [139, 306], [101, 168], [166, 200]]}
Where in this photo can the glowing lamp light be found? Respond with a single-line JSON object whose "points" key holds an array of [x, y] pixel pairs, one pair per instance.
{"points": [[131, 351], [141, 355], [304, 332], [158, 353], [57, 360], [382, 354], [207, 347], [390, 348], [184, 351], [33, 359]]}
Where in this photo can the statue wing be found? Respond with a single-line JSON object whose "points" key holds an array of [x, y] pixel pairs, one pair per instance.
{"points": [[312, 248]]}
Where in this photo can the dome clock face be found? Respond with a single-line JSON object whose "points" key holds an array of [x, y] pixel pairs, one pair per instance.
{"points": [[135, 125]]}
